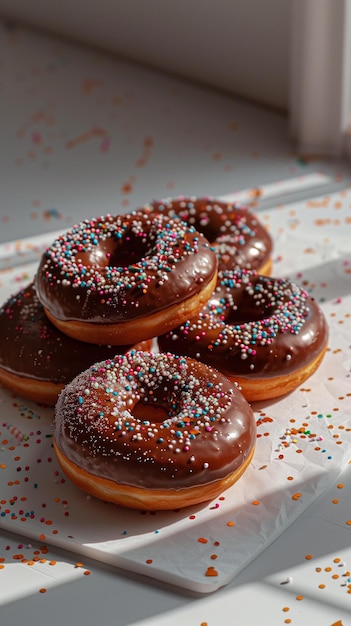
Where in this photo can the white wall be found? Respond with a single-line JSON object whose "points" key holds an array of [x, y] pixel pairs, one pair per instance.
{"points": [[240, 46]]}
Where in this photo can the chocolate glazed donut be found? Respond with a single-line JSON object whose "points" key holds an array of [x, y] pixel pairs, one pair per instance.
{"points": [[153, 431], [237, 235], [36, 359], [266, 334], [122, 279]]}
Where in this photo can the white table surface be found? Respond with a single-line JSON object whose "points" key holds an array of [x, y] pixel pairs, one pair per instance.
{"points": [[84, 134]]}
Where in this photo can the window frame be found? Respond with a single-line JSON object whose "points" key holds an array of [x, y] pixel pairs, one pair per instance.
{"points": [[320, 77]]}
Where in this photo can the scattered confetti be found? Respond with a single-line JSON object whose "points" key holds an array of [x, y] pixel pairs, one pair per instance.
{"points": [[211, 571]]}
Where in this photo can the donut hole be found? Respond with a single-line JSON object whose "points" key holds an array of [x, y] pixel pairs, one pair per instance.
{"points": [[245, 311], [157, 404], [203, 224], [157, 413], [113, 252]]}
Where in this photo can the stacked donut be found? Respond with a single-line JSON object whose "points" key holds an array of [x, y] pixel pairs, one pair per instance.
{"points": [[36, 359], [267, 335], [172, 426]]}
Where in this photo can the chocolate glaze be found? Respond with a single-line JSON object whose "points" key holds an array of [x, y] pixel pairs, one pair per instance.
{"points": [[253, 327], [195, 427], [116, 269], [239, 238], [31, 347]]}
